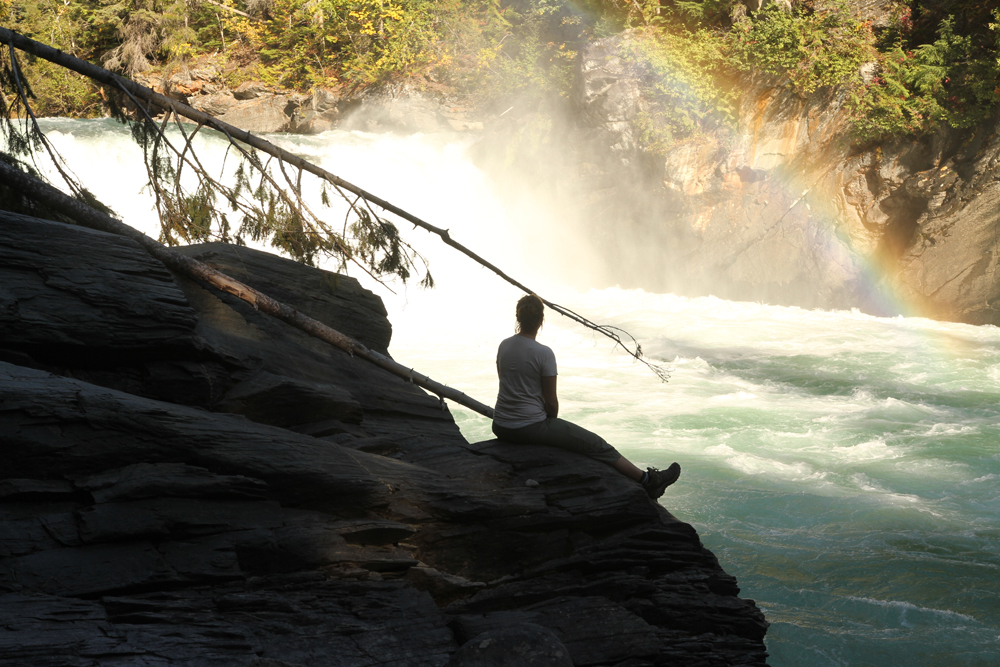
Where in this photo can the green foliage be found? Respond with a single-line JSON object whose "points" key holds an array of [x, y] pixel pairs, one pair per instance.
{"points": [[304, 43], [937, 69], [529, 47], [693, 56], [811, 49], [936, 64], [694, 14], [950, 80], [683, 75], [71, 27], [61, 92]]}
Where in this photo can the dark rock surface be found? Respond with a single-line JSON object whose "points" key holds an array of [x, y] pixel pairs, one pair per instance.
{"points": [[189, 482], [512, 646]]}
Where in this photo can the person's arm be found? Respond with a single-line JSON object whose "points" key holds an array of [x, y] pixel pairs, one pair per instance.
{"points": [[549, 397]]}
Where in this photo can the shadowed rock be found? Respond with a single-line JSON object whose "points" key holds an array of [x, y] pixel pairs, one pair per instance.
{"points": [[142, 522], [512, 646]]}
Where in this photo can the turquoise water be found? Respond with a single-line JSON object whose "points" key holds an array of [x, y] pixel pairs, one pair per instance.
{"points": [[845, 468]]}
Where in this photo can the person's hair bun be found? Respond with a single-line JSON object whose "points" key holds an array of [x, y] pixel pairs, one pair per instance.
{"points": [[530, 313]]}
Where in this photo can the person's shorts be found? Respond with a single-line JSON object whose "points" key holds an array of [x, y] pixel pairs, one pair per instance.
{"points": [[555, 432]]}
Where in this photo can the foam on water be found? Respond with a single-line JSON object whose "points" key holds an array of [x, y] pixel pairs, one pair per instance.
{"points": [[844, 467]]}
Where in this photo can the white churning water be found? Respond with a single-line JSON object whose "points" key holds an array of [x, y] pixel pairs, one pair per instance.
{"points": [[845, 468]]}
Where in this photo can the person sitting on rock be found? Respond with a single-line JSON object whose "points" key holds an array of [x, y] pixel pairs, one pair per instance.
{"points": [[527, 408]]}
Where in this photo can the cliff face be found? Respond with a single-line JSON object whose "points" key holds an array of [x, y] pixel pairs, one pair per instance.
{"points": [[738, 214], [787, 208], [922, 217], [187, 481]]}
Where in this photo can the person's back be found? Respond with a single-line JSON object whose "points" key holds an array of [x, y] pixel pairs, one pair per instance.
{"points": [[521, 363], [527, 408]]}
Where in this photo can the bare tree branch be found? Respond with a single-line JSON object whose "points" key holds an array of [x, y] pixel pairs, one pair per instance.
{"points": [[228, 8]]}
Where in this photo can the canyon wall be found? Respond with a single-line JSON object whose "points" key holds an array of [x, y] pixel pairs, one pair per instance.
{"points": [[785, 207]]}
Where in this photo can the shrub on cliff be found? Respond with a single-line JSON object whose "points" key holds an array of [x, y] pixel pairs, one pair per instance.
{"points": [[687, 78], [305, 44], [490, 47], [934, 63], [812, 49], [72, 27], [953, 80], [925, 68]]}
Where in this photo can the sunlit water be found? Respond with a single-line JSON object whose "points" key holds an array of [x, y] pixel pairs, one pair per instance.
{"points": [[844, 467]]}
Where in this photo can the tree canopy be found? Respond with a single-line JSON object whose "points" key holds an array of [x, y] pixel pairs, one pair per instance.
{"points": [[930, 62]]}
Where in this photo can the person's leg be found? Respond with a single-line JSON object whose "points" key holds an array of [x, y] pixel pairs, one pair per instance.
{"points": [[627, 468], [555, 432], [567, 435]]}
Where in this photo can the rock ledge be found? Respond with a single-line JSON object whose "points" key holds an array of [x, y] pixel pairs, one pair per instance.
{"points": [[188, 482]]}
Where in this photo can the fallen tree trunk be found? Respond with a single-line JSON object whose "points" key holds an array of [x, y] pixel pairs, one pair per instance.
{"points": [[86, 216]]}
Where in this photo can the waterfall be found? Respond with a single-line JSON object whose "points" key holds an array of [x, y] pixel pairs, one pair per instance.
{"points": [[844, 467]]}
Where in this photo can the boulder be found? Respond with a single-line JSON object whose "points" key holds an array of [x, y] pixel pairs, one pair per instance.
{"points": [[321, 113], [249, 90], [184, 83], [216, 105], [262, 114]]}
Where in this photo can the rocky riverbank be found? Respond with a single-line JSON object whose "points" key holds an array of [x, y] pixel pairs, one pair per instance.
{"points": [[187, 481], [259, 108]]}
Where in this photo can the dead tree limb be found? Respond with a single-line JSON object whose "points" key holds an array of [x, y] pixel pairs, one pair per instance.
{"points": [[228, 9], [188, 266], [167, 104]]}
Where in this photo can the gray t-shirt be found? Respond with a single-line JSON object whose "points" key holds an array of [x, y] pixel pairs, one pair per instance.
{"points": [[521, 365]]}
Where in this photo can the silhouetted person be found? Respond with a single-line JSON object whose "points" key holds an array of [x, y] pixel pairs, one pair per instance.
{"points": [[527, 409]]}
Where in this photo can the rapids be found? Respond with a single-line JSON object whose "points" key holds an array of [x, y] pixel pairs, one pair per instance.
{"points": [[845, 468]]}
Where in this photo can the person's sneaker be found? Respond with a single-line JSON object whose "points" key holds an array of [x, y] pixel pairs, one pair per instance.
{"points": [[659, 480]]}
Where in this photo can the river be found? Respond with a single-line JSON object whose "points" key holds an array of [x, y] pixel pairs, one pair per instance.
{"points": [[844, 467]]}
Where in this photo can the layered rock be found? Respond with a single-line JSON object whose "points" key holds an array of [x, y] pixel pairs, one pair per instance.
{"points": [[189, 482]]}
